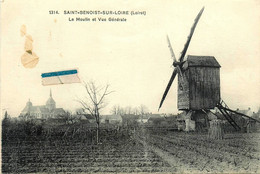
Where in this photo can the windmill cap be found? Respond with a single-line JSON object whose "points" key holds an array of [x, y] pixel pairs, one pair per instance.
{"points": [[202, 61]]}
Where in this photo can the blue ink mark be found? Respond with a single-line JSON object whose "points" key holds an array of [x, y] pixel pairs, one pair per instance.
{"points": [[59, 73]]}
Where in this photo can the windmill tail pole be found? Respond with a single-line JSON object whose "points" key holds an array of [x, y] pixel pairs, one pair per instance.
{"points": [[224, 112], [242, 115]]}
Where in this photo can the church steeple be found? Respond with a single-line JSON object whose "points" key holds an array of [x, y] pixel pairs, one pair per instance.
{"points": [[29, 103], [50, 93], [50, 104]]}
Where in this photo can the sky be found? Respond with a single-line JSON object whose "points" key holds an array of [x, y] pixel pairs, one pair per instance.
{"points": [[132, 56]]}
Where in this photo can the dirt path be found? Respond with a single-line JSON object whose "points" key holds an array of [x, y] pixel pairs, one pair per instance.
{"points": [[176, 164]]}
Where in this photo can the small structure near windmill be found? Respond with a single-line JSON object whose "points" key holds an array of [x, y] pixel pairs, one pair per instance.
{"points": [[111, 119], [198, 86]]}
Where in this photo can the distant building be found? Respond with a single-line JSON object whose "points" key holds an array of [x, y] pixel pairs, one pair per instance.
{"points": [[247, 112], [143, 118], [113, 119], [42, 112]]}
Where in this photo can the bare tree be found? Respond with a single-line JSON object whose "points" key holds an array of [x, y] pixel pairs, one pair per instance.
{"points": [[143, 109], [128, 110], [116, 110], [95, 101]]}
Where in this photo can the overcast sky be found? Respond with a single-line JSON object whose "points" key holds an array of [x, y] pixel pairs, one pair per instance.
{"points": [[132, 56]]}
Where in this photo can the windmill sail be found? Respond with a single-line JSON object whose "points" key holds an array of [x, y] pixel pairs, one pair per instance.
{"points": [[168, 87], [171, 50], [190, 36], [177, 68]]}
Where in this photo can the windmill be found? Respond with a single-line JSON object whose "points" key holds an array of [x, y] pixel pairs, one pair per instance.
{"points": [[176, 64], [198, 83]]}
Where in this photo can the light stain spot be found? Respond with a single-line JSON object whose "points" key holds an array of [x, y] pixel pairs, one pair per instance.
{"points": [[28, 43], [29, 59], [50, 36], [23, 30]]}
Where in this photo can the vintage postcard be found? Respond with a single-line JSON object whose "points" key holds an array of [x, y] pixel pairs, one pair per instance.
{"points": [[134, 86]]}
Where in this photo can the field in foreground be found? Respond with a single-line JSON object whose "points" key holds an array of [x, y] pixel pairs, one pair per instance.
{"points": [[193, 152], [139, 151]]}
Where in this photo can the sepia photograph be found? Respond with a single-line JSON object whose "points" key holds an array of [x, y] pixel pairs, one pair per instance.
{"points": [[126, 86]]}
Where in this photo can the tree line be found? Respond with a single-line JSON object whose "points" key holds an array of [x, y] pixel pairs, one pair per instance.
{"points": [[129, 110]]}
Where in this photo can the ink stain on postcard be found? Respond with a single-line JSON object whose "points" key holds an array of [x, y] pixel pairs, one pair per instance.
{"points": [[29, 59]]}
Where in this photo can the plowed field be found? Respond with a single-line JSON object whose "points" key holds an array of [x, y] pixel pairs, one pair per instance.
{"points": [[143, 151]]}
